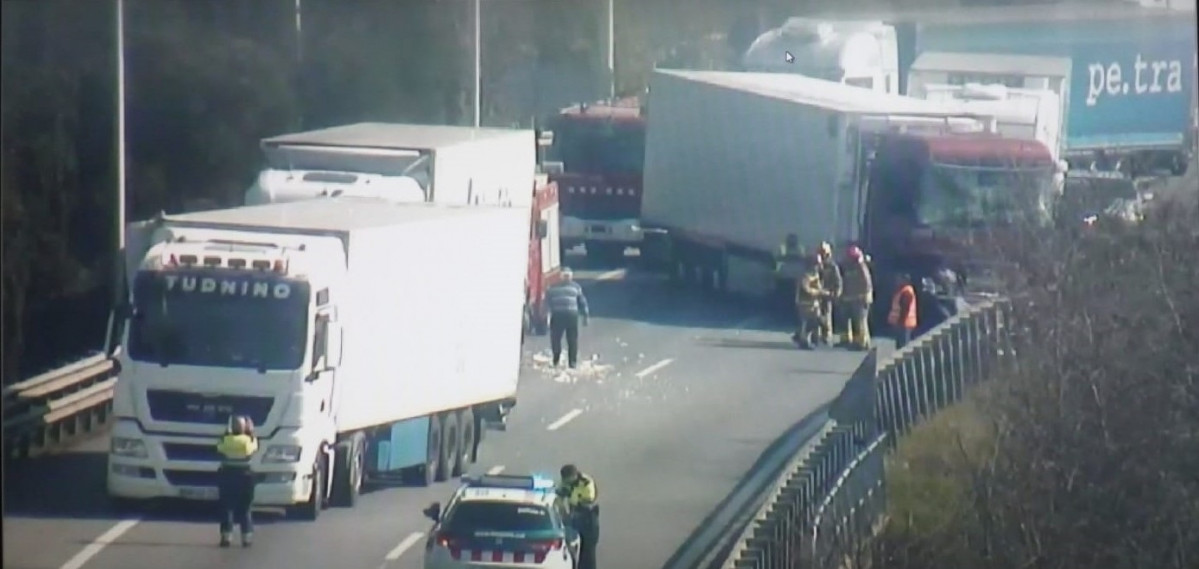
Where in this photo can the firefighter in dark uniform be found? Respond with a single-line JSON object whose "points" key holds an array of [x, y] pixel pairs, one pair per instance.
{"points": [[579, 491], [235, 480], [808, 293], [830, 279], [567, 305]]}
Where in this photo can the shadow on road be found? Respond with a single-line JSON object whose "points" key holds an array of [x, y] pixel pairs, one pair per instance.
{"points": [[650, 298]]}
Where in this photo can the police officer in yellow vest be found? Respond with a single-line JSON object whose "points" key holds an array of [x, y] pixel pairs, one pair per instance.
{"points": [[579, 491], [808, 293], [830, 280], [235, 480]]}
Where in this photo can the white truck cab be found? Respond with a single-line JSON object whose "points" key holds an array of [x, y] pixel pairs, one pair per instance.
{"points": [[254, 324]]}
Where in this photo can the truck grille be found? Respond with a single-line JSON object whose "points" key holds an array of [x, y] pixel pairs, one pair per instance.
{"points": [[190, 477], [185, 407], [188, 451]]}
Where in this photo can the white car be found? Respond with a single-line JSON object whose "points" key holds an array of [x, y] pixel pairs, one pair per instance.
{"points": [[496, 521]]}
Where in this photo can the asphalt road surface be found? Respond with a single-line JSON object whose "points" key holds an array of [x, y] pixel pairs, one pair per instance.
{"points": [[684, 394]]}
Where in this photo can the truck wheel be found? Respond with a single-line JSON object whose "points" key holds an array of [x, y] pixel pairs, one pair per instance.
{"points": [[466, 442], [449, 446], [433, 453], [311, 510], [349, 468]]}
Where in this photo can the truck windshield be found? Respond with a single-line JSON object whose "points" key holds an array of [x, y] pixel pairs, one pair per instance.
{"points": [[599, 147], [971, 196], [205, 318]]}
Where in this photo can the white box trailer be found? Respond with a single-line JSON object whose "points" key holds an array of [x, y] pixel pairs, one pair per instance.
{"points": [[736, 161], [365, 339], [403, 162]]}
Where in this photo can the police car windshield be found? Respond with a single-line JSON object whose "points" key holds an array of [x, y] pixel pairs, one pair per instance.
{"points": [[483, 515], [199, 318]]}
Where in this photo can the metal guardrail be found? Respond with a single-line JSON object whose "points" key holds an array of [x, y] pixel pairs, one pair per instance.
{"points": [[57, 406], [831, 500]]}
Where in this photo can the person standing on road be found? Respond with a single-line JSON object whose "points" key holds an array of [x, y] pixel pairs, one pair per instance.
{"points": [[830, 280], [579, 491], [808, 294], [235, 480], [857, 296], [567, 305], [903, 312]]}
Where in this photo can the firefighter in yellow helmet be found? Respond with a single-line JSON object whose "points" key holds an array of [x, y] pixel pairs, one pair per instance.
{"points": [[830, 280], [808, 293], [857, 295]]}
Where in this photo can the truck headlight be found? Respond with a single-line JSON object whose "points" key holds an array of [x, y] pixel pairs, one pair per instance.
{"points": [[282, 453], [132, 448]]}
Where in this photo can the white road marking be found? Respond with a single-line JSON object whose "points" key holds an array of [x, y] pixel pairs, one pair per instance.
{"points": [[94, 548], [495, 470], [404, 545], [651, 369], [611, 275], [564, 420]]}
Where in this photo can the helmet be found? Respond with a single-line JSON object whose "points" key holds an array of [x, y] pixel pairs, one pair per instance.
{"points": [[826, 249], [569, 471], [854, 253]]}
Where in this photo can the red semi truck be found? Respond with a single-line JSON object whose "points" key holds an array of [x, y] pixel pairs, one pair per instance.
{"points": [[600, 150]]}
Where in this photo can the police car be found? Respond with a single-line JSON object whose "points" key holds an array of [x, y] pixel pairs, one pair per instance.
{"points": [[496, 521]]}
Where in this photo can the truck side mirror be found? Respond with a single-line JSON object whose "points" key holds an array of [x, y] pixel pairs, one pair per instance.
{"points": [[433, 512], [543, 228]]}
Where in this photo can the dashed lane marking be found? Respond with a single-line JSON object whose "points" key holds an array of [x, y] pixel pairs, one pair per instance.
{"points": [[94, 548], [404, 545], [611, 275], [651, 369], [564, 420]]}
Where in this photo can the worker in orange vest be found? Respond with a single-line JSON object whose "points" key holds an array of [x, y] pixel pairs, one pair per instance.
{"points": [[903, 311]]}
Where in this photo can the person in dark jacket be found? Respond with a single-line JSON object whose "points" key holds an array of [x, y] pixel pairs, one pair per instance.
{"points": [[568, 305], [235, 480]]}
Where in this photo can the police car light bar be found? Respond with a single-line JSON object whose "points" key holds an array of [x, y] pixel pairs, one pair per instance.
{"points": [[509, 481]]}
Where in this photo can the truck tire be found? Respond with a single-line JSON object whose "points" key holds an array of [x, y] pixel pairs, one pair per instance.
{"points": [[311, 510], [464, 457], [428, 472], [349, 470], [449, 446]]}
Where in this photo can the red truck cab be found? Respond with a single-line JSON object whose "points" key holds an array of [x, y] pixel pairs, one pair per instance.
{"points": [[545, 261], [601, 149], [937, 201]]}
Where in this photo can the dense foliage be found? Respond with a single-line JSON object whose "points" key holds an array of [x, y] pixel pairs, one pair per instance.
{"points": [[1087, 454]]}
